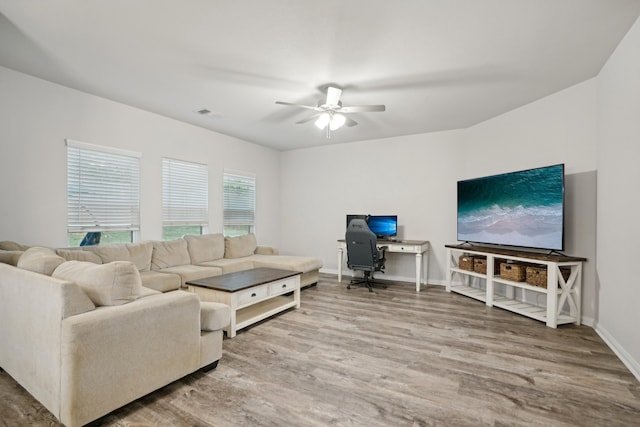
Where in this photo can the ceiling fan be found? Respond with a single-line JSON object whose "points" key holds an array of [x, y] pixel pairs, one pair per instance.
{"points": [[330, 114]]}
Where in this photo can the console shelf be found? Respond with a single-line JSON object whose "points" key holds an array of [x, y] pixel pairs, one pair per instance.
{"points": [[562, 297]]}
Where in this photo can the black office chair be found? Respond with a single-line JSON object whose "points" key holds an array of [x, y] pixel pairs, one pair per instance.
{"points": [[363, 254]]}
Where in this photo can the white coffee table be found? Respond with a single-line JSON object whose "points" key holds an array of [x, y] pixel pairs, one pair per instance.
{"points": [[253, 295]]}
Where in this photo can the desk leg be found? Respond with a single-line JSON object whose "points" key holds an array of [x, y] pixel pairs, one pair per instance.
{"points": [[339, 265], [425, 261], [418, 270]]}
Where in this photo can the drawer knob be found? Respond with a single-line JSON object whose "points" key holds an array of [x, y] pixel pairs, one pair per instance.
{"points": [[284, 285], [253, 295]]}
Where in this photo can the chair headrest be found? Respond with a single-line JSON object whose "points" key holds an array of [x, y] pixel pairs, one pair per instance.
{"points": [[360, 224]]}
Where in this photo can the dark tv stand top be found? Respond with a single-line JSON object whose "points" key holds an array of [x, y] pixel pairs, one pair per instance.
{"points": [[555, 257]]}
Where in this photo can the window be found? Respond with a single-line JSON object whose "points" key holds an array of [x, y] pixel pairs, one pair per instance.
{"points": [[239, 203], [185, 202], [103, 194]]}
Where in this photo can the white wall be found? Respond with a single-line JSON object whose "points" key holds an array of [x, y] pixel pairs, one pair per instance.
{"points": [[38, 115], [561, 128], [411, 176], [618, 151], [415, 177]]}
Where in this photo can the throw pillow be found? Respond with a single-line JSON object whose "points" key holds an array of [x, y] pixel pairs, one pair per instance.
{"points": [[115, 283], [79, 255], [137, 253], [209, 247], [169, 253], [40, 260], [241, 246]]}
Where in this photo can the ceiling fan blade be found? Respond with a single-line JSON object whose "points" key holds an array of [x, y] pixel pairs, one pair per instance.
{"points": [[308, 119], [333, 95], [350, 122], [361, 109], [308, 107]]}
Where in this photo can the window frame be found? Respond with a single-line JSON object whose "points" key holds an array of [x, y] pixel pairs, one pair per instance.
{"points": [[187, 185], [240, 220], [92, 203]]}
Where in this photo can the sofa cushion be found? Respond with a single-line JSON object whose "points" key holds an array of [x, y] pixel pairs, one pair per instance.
{"points": [[8, 245], [287, 262], [169, 253], [10, 257], [162, 282], [145, 292], [79, 255], [137, 253], [115, 283], [192, 272], [241, 246], [214, 316], [209, 247], [40, 260], [230, 265], [266, 250]]}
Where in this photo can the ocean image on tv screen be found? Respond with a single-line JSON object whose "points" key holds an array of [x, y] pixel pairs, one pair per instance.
{"points": [[516, 209]]}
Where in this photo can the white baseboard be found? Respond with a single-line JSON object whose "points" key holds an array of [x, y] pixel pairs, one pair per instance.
{"points": [[588, 321], [410, 279], [623, 355]]}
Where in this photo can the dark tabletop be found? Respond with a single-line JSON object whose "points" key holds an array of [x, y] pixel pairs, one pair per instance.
{"points": [[232, 282]]}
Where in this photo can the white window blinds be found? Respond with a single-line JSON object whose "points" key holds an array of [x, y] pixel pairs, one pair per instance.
{"points": [[103, 188], [185, 189], [239, 198]]}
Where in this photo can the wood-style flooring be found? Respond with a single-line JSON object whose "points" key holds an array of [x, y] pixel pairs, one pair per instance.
{"points": [[389, 358]]}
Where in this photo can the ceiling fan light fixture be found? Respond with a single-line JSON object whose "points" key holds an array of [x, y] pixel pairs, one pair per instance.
{"points": [[323, 121], [337, 121]]}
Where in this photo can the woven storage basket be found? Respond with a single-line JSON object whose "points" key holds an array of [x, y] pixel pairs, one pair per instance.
{"points": [[480, 265], [513, 271], [465, 262], [537, 276]]}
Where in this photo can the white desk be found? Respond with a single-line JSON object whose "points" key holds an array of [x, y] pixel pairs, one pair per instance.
{"points": [[417, 247]]}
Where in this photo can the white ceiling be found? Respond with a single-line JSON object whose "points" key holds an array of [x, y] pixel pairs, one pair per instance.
{"points": [[435, 64]]}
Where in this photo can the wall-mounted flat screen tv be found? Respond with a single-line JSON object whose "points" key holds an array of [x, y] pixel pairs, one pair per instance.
{"points": [[524, 208]]}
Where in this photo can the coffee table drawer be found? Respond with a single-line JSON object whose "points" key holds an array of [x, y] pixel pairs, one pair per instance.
{"points": [[283, 286], [251, 295]]}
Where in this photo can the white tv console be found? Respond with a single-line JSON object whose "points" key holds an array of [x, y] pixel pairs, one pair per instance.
{"points": [[563, 297]]}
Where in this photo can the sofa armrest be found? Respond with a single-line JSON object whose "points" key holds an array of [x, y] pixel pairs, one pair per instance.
{"points": [[32, 307], [266, 250], [114, 355], [214, 316]]}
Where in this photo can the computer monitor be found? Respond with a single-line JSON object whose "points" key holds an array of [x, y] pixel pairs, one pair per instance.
{"points": [[383, 226]]}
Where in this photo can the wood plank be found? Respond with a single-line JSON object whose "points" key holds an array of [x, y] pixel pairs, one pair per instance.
{"points": [[392, 357]]}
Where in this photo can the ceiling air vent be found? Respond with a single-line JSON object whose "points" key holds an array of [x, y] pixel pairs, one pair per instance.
{"points": [[206, 112]]}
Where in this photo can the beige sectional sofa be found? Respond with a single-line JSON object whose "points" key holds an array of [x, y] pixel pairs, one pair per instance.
{"points": [[167, 265], [88, 330], [87, 338]]}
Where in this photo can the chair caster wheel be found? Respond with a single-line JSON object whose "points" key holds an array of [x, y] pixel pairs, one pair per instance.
{"points": [[348, 286]]}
